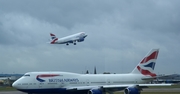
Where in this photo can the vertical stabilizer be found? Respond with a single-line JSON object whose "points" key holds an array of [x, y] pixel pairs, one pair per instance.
{"points": [[53, 36], [147, 64]]}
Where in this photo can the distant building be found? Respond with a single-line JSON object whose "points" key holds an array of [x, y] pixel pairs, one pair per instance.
{"points": [[174, 78], [8, 79]]}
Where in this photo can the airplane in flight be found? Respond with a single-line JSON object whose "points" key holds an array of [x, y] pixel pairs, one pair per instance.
{"points": [[74, 83], [78, 37]]}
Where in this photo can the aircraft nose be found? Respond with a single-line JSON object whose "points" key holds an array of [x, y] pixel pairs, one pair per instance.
{"points": [[15, 85]]}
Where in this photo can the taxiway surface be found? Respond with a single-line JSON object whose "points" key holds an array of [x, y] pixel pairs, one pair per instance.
{"points": [[144, 90]]}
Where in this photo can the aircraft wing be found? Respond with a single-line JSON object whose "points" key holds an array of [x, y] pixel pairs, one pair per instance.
{"points": [[82, 87], [139, 85], [116, 87], [71, 40]]}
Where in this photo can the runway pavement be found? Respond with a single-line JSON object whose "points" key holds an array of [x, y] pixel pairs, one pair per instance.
{"points": [[12, 92], [144, 90], [162, 90]]}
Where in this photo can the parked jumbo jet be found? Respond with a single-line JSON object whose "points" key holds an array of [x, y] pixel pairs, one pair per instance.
{"points": [[78, 37], [73, 83]]}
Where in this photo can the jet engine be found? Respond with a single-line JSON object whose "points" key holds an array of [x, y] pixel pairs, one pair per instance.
{"points": [[80, 40], [95, 91], [132, 90]]}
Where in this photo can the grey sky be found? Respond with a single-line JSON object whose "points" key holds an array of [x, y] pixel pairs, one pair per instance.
{"points": [[120, 33]]}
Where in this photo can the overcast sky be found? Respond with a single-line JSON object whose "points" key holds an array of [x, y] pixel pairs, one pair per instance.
{"points": [[120, 33]]}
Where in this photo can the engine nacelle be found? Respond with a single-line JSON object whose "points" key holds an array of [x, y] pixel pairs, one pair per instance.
{"points": [[95, 91], [132, 90], [80, 40]]}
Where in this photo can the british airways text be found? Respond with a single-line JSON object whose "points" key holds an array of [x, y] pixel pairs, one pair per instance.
{"points": [[64, 80]]}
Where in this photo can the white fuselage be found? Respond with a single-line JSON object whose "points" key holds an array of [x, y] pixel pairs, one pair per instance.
{"points": [[71, 39], [65, 80], [73, 83]]}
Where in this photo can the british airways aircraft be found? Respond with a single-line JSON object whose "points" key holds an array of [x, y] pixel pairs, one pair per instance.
{"points": [[74, 83], [78, 37]]}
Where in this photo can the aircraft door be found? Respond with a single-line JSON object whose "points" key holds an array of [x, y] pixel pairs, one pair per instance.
{"points": [[87, 82], [30, 84], [61, 84], [108, 82], [41, 85], [136, 81]]}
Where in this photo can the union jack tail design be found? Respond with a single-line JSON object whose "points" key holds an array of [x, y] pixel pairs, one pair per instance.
{"points": [[53, 38], [147, 64]]}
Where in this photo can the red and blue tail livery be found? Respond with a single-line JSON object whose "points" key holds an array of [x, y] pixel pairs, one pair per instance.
{"points": [[147, 64], [53, 36]]}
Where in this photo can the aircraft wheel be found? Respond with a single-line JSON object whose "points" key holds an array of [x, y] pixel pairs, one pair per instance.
{"points": [[67, 44], [74, 43]]}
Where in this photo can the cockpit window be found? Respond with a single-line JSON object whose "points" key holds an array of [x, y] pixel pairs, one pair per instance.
{"points": [[27, 75]]}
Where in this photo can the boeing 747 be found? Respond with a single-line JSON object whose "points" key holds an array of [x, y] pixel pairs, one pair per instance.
{"points": [[74, 83]]}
